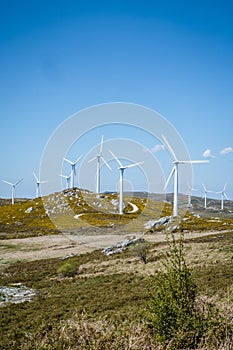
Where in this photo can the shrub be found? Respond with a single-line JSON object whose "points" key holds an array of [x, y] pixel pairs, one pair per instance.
{"points": [[68, 268], [175, 317], [141, 250]]}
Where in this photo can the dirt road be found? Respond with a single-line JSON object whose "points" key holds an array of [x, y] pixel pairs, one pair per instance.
{"points": [[43, 247]]}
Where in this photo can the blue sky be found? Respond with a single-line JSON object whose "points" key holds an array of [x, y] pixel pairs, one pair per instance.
{"points": [[58, 57]]}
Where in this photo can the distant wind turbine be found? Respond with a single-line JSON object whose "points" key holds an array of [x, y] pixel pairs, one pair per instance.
{"points": [[223, 194], [190, 190], [73, 169], [205, 195], [174, 172], [38, 183], [122, 169], [13, 189], [99, 157], [68, 178]]}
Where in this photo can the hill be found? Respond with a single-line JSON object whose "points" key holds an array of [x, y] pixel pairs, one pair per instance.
{"points": [[82, 212]]}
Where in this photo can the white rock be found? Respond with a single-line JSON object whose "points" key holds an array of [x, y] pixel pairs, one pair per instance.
{"points": [[29, 210]]}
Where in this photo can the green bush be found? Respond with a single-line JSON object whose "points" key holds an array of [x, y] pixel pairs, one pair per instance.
{"points": [[175, 317], [68, 268]]}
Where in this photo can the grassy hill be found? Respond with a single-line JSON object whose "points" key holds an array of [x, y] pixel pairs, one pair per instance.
{"points": [[80, 210]]}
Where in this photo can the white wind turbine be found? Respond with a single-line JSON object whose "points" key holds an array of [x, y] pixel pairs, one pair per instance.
{"points": [[122, 169], [174, 172], [99, 157], [73, 169], [205, 195], [38, 183], [68, 178], [223, 195], [12, 189], [190, 190]]}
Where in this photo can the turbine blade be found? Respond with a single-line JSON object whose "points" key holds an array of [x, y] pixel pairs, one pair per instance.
{"points": [[91, 160], [101, 144], [226, 196], [68, 161], [132, 165], [169, 148], [35, 177], [65, 177], [118, 161], [106, 163], [9, 183], [18, 182], [77, 159], [224, 188], [169, 178], [192, 161], [204, 187]]}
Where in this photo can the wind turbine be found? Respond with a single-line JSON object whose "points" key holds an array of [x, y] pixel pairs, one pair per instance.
{"points": [[99, 157], [68, 178], [190, 190], [38, 183], [174, 172], [122, 169], [205, 195], [73, 169], [12, 189], [223, 194]]}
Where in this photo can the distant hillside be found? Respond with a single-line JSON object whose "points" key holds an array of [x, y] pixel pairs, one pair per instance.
{"points": [[83, 212]]}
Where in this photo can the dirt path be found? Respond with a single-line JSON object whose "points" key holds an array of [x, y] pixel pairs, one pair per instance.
{"points": [[37, 248]]}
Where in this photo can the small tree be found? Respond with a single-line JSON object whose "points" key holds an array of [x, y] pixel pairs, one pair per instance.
{"points": [[172, 312], [177, 319], [141, 250]]}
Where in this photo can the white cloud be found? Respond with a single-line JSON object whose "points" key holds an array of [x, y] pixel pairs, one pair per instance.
{"points": [[207, 154], [226, 150], [156, 148]]}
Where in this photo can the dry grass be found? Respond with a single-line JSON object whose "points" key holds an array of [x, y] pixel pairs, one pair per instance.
{"points": [[102, 306]]}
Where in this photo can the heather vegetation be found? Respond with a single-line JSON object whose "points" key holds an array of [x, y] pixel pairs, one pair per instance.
{"points": [[94, 301]]}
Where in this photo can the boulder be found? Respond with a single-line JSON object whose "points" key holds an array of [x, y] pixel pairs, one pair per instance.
{"points": [[29, 210], [155, 224]]}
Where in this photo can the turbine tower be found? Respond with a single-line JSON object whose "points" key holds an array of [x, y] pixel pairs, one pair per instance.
{"points": [[99, 157], [38, 183], [205, 196], [13, 189], [223, 194], [68, 178], [122, 169], [73, 169], [175, 172]]}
